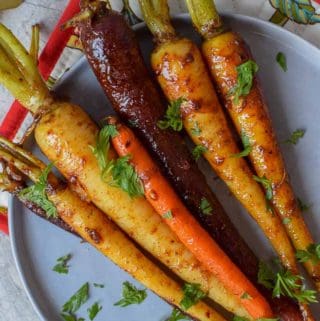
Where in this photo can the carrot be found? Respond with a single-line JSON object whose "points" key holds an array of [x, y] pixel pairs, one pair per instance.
{"points": [[167, 204], [94, 227], [224, 53]]}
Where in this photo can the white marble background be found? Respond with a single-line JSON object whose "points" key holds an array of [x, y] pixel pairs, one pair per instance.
{"points": [[14, 304]]}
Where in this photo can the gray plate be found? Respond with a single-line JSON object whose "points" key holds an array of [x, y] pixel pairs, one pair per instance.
{"points": [[293, 98]]}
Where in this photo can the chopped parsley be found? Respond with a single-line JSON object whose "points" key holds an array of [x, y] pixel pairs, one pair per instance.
{"points": [[205, 206], [246, 72], [125, 177], [168, 215], [101, 150], [94, 310], [192, 294], [285, 283], [246, 295], [282, 61], [98, 285], [302, 206], [311, 253], [131, 295], [37, 194], [195, 130], [198, 151], [295, 136], [77, 300], [286, 221], [247, 148], [62, 264], [177, 315], [267, 185], [172, 117], [70, 317]]}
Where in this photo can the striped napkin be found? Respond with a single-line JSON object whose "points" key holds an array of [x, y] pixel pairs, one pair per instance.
{"points": [[63, 49]]}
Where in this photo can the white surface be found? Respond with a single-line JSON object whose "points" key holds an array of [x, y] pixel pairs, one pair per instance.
{"points": [[14, 306]]}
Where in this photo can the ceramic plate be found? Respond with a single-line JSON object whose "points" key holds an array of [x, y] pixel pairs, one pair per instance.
{"points": [[293, 99]]}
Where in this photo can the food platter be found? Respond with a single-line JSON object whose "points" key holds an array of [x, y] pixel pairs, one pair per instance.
{"points": [[293, 101]]}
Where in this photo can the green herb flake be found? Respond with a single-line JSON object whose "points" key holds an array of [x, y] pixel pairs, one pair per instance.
{"points": [[247, 148], [311, 253], [98, 285], [282, 61], [37, 194], [70, 317], [77, 300], [195, 130], [265, 275], [205, 206], [192, 294], [246, 72], [198, 151], [177, 315], [286, 221], [131, 295], [246, 296], [101, 150], [94, 310], [295, 137], [237, 318], [266, 184], [62, 264], [172, 117], [302, 206], [168, 215], [125, 177]]}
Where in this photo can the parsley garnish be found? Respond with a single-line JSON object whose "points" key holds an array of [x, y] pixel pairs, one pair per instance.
{"points": [[70, 317], [195, 130], [295, 136], [172, 117], [286, 220], [311, 253], [303, 207], [125, 177], [205, 206], [198, 151], [282, 61], [284, 283], [168, 215], [100, 151], [246, 295], [192, 295], [62, 264], [247, 148], [98, 285], [268, 188], [94, 310], [131, 295], [77, 300], [37, 194], [177, 315], [246, 72]]}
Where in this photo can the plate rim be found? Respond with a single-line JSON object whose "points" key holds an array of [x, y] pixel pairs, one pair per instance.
{"points": [[16, 248]]}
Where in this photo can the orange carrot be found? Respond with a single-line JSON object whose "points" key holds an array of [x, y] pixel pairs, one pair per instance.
{"points": [[167, 204]]}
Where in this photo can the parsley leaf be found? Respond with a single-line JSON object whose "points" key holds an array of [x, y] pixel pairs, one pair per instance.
{"points": [[62, 264], [172, 117], [177, 315], [125, 177], [70, 317], [247, 147], [205, 206], [168, 215], [77, 300], [98, 285], [295, 136], [246, 295], [37, 194], [311, 253], [303, 207], [192, 295], [284, 283], [100, 151], [282, 61], [246, 72], [195, 130], [94, 310], [198, 151], [131, 295], [286, 220], [266, 184]]}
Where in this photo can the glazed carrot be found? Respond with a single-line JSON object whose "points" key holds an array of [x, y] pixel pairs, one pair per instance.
{"points": [[167, 204], [224, 53]]}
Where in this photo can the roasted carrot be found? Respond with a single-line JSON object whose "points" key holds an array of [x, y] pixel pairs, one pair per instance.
{"points": [[94, 227], [224, 53], [67, 135], [165, 201]]}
